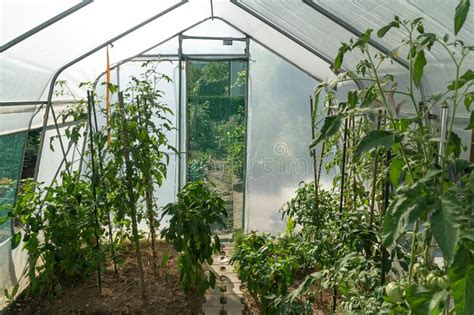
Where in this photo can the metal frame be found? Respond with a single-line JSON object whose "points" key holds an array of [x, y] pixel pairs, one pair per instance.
{"points": [[246, 59], [26, 103], [282, 31], [354, 31], [85, 55], [181, 170], [181, 57], [177, 57], [237, 39], [44, 25], [247, 85]]}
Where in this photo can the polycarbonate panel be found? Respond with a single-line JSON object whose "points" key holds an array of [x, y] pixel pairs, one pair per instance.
{"points": [[21, 81], [52, 164], [71, 37], [20, 16], [169, 47], [200, 46], [17, 118], [279, 135], [215, 28], [273, 39], [135, 43], [438, 18], [309, 26]]}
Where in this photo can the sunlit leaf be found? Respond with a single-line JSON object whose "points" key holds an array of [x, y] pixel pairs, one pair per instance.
{"points": [[418, 67], [444, 224], [461, 275], [471, 122], [395, 170], [375, 138], [16, 239], [382, 31], [330, 127], [460, 16]]}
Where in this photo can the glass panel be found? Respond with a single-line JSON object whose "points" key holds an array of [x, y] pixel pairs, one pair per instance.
{"points": [[11, 153], [279, 135], [216, 129]]}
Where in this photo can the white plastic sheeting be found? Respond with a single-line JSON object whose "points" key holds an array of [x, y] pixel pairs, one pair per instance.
{"points": [[279, 135], [53, 158]]}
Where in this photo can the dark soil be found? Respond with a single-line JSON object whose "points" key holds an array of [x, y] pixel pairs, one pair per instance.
{"points": [[120, 294]]}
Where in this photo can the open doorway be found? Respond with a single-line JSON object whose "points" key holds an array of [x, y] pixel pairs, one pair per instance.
{"points": [[216, 130]]}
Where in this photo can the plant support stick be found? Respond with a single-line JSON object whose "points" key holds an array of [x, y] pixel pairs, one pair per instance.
{"points": [[94, 190], [131, 196]]}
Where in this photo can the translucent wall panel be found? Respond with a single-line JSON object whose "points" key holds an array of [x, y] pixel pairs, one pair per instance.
{"points": [[12, 13], [45, 52], [279, 135], [52, 161], [198, 46], [217, 28], [306, 24]]}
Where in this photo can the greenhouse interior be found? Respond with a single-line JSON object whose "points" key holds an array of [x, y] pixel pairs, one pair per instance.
{"points": [[236, 157]]}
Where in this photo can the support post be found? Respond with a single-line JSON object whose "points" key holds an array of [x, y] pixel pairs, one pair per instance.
{"points": [[94, 189]]}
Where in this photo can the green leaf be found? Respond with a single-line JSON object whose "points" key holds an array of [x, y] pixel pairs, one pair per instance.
{"points": [[212, 279], [460, 16], [16, 239], [419, 65], [373, 139], [340, 56], [404, 210], [395, 170], [352, 98], [4, 219], [471, 122], [461, 275], [330, 127], [444, 225], [468, 98], [466, 77], [381, 32], [424, 301], [454, 145]]}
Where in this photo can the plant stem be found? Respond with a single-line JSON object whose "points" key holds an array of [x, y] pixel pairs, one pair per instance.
{"points": [[390, 115], [131, 198], [412, 254]]}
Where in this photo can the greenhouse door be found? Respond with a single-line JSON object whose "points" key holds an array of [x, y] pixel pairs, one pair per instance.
{"points": [[216, 130]]}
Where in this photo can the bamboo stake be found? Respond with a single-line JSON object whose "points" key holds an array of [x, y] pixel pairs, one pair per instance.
{"points": [[94, 190], [103, 195], [386, 199], [315, 171], [374, 179], [341, 195]]}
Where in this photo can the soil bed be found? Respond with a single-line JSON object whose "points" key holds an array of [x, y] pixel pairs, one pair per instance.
{"points": [[120, 294]]}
